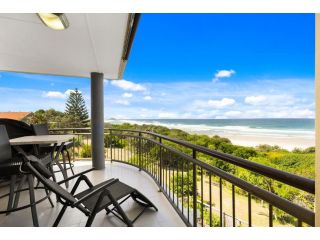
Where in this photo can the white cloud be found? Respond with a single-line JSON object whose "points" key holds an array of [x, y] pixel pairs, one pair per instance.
{"points": [[147, 98], [167, 115], [57, 94], [271, 100], [123, 102], [224, 102], [127, 95], [232, 114], [53, 94], [255, 100], [127, 85], [223, 74]]}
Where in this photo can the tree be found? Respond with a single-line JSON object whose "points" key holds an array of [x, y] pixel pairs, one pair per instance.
{"points": [[76, 109]]}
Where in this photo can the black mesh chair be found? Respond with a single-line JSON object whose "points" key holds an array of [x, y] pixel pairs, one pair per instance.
{"points": [[17, 129], [42, 129], [108, 195], [11, 169]]}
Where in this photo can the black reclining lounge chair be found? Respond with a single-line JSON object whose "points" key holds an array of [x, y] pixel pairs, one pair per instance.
{"points": [[108, 195]]}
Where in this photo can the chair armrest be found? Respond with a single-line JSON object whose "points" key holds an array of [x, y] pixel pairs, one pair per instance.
{"points": [[75, 176], [79, 180], [95, 191]]}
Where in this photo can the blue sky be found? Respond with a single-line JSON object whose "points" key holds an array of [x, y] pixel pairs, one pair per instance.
{"points": [[196, 66]]}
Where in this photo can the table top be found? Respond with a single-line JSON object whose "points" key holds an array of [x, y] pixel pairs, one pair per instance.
{"points": [[41, 139]]}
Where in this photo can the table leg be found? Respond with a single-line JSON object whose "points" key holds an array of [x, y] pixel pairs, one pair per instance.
{"points": [[56, 160]]}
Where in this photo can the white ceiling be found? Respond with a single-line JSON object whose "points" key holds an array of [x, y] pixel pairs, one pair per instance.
{"points": [[92, 43]]}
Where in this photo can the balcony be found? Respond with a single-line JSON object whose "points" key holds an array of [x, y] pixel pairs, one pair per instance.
{"points": [[171, 174], [176, 169]]}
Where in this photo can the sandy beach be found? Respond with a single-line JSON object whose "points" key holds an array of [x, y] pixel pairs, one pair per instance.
{"points": [[286, 142]]}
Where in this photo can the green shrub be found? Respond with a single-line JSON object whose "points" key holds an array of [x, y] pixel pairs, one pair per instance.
{"points": [[86, 151]]}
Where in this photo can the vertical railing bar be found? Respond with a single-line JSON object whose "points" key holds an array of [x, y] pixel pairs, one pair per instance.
{"points": [[169, 174], [210, 199], [270, 215], [149, 162], [299, 223], [121, 148], [173, 185], [87, 137], [188, 180], [118, 155], [135, 149], [74, 146], [194, 184], [233, 207], [220, 194], [201, 172], [78, 145], [127, 149], [166, 171], [249, 210], [182, 186], [177, 181], [154, 162], [133, 160], [160, 162]]}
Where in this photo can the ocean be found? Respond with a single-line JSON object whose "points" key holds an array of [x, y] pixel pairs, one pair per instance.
{"points": [[285, 132]]}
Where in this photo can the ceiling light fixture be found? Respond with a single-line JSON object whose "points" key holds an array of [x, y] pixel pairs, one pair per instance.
{"points": [[56, 21]]}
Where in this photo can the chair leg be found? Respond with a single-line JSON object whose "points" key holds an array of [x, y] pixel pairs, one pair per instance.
{"points": [[142, 200], [53, 176], [69, 160], [16, 199], [11, 193], [49, 198], [90, 220], [64, 160], [32, 201], [58, 219], [120, 211]]}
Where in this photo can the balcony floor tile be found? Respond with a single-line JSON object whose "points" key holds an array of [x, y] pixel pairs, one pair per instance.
{"points": [[166, 216]]}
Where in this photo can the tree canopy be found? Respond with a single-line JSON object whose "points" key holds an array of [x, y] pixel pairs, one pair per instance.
{"points": [[76, 109]]}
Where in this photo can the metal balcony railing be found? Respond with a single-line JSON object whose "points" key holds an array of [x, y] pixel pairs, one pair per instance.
{"points": [[201, 193]]}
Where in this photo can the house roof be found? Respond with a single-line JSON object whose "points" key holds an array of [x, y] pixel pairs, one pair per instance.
{"points": [[14, 115], [95, 42]]}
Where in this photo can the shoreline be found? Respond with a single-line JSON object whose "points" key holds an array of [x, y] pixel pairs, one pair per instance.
{"points": [[241, 135]]}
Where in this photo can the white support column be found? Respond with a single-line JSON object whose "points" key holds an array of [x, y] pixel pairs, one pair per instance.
{"points": [[97, 120], [317, 118]]}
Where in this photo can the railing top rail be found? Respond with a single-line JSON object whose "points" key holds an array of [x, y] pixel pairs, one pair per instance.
{"points": [[306, 215], [294, 180]]}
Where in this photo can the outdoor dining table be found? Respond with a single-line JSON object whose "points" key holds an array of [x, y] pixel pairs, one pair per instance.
{"points": [[57, 142]]}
